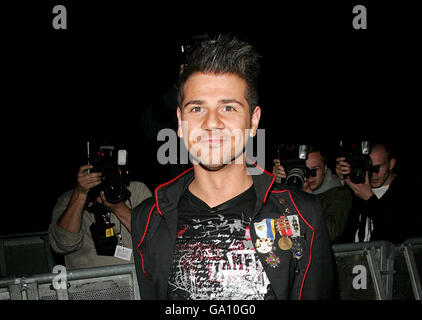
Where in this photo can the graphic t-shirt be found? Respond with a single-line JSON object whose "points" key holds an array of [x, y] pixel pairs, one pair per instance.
{"points": [[214, 257]]}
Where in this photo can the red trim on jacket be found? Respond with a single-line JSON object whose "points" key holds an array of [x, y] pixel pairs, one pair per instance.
{"points": [[142, 239], [158, 208], [312, 239], [166, 183], [149, 217], [263, 170]]}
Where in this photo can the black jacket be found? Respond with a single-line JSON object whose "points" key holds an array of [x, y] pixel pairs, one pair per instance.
{"points": [[391, 215], [154, 228]]}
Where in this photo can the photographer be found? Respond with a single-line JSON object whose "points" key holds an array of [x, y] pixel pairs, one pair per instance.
{"points": [[69, 232], [379, 206], [335, 200]]}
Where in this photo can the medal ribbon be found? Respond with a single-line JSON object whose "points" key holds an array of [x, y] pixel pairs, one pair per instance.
{"points": [[284, 226]]}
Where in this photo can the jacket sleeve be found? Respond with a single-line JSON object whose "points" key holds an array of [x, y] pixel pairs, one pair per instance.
{"points": [[336, 206], [318, 282], [63, 241]]}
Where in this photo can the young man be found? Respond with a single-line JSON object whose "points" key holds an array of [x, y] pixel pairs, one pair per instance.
{"points": [[215, 231]]}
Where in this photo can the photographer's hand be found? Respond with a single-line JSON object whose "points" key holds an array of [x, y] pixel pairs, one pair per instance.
{"points": [[278, 171], [86, 181], [342, 168], [71, 219], [121, 210], [361, 190]]}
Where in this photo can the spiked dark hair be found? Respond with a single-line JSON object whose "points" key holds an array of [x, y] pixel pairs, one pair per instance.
{"points": [[224, 55]]}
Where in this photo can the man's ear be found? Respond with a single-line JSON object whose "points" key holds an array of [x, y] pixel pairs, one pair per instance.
{"points": [[256, 116], [179, 123], [392, 163]]}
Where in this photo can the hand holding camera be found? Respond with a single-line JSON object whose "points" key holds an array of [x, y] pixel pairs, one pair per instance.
{"points": [[355, 167], [278, 171], [85, 180], [290, 166], [342, 169], [361, 190], [354, 161]]}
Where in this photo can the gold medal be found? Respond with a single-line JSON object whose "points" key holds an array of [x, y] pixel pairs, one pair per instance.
{"points": [[285, 243]]}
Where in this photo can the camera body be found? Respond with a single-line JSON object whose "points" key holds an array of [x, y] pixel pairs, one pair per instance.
{"points": [[111, 162], [293, 159], [357, 155], [112, 165]]}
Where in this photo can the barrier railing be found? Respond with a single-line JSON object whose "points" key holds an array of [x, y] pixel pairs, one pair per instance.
{"points": [[100, 283], [376, 270], [365, 270]]}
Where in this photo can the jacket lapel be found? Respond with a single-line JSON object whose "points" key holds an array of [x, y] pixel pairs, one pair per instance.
{"points": [[167, 208]]}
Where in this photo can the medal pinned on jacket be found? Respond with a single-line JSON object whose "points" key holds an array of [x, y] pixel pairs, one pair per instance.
{"points": [[283, 232], [283, 227], [265, 230], [289, 228]]}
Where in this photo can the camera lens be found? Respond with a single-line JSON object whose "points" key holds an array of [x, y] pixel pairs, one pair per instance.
{"points": [[115, 191], [295, 178]]}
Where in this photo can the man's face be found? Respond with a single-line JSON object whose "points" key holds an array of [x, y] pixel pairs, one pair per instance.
{"points": [[214, 120], [315, 161], [384, 176]]}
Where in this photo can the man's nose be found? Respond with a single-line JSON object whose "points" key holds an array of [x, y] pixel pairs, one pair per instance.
{"points": [[212, 121]]}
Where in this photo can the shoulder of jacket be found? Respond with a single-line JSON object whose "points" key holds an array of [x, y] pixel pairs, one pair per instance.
{"points": [[144, 206], [338, 191], [141, 215], [296, 194]]}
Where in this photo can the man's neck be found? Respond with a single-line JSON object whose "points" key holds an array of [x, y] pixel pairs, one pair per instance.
{"points": [[216, 187]]}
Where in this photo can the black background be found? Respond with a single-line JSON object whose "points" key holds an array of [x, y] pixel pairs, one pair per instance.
{"points": [[320, 79]]}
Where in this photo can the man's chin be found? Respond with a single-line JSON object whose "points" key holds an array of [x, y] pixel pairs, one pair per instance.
{"points": [[212, 167]]}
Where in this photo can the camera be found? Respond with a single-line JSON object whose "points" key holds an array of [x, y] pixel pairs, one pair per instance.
{"points": [[293, 159], [111, 164], [357, 155], [114, 182]]}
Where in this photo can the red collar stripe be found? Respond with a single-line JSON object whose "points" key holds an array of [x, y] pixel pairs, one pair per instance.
{"points": [[142, 239], [166, 183], [263, 170], [312, 240]]}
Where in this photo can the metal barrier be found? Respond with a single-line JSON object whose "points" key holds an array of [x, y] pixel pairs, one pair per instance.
{"points": [[365, 270], [375, 270], [378, 270], [26, 253], [101, 283], [408, 264]]}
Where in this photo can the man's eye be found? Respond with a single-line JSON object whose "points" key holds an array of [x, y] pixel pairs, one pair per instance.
{"points": [[196, 109], [228, 108]]}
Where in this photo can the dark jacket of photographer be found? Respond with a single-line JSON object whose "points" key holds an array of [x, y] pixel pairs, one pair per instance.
{"points": [[154, 229], [390, 215], [336, 204]]}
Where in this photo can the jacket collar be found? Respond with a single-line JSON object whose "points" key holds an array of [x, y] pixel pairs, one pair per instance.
{"points": [[167, 193]]}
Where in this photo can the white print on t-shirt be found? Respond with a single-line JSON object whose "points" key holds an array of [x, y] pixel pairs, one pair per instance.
{"points": [[218, 264]]}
